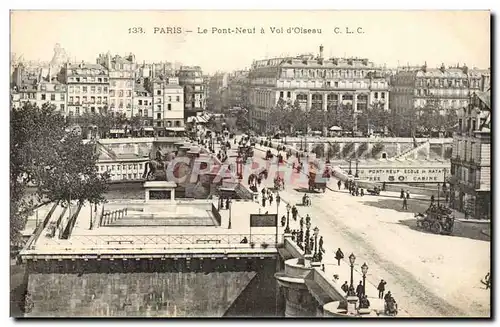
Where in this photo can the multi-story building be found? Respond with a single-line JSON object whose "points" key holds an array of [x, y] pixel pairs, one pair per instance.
{"points": [[143, 103], [173, 110], [314, 82], [191, 79], [158, 92], [88, 88], [470, 182], [449, 88], [121, 82], [237, 90], [40, 90], [216, 86]]}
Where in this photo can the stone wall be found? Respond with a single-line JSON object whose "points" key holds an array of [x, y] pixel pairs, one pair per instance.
{"points": [[168, 288]]}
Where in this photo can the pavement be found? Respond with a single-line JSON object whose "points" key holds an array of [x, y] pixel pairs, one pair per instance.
{"points": [[419, 267]]}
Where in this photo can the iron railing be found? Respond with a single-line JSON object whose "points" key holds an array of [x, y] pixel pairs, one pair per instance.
{"points": [[167, 241]]}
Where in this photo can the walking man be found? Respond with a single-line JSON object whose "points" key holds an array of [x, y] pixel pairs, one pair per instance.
{"points": [[405, 203], [339, 255], [359, 290], [339, 184], [345, 287], [381, 289], [320, 245]]}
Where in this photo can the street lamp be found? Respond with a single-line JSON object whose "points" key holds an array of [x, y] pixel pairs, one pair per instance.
{"points": [[239, 166], [350, 171], [352, 260], [357, 175], [364, 270], [287, 229], [316, 232], [306, 238], [438, 194], [230, 205]]}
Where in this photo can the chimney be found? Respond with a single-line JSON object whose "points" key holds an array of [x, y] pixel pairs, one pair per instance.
{"points": [[321, 52], [153, 71]]}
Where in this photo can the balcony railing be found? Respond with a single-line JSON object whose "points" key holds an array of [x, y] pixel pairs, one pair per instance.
{"points": [[155, 241]]}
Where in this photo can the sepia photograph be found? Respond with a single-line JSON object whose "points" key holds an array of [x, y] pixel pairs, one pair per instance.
{"points": [[250, 163]]}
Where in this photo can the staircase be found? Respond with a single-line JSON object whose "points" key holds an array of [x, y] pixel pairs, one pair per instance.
{"points": [[413, 152], [104, 150]]}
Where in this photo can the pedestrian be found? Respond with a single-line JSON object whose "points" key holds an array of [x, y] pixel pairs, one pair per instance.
{"points": [[323, 267], [381, 288], [345, 185], [383, 186], [294, 232], [283, 221], [388, 297], [308, 219], [278, 199], [432, 199], [264, 201], [407, 194], [339, 255], [405, 204], [227, 203], [270, 199], [364, 303], [357, 191], [402, 194], [263, 192], [345, 287], [295, 212], [362, 193], [339, 184], [311, 243], [301, 223], [359, 290], [320, 245]]}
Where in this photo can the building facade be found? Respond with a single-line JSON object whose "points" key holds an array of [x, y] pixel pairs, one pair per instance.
{"points": [[173, 110], [143, 103], [191, 79], [42, 88], [470, 182], [316, 82], [449, 88], [122, 72], [88, 88]]}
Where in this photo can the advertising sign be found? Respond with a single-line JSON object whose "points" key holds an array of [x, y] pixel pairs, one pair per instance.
{"points": [[265, 220], [403, 175]]}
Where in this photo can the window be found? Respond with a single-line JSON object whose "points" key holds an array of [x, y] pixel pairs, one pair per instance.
{"points": [[120, 93], [178, 98], [84, 99], [61, 97], [288, 94], [328, 84], [99, 99], [135, 166], [70, 99], [169, 99], [77, 99], [336, 84], [129, 93], [158, 107], [61, 106], [71, 89], [121, 104], [43, 96], [92, 89], [99, 80], [158, 116], [281, 94], [99, 89], [375, 95], [145, 102], [158, 124], [145, 113], [92, 99], [112, 93], [169, 106], [77, 111], [177, 123], [158, 92], [140, 102]]}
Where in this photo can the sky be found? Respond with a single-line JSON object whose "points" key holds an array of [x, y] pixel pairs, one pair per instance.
{"points": [[384, 37]]}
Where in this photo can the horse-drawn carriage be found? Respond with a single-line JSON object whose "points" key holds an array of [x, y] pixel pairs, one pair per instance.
{"points": [[316, 183], [373, 191], [437, 219], [269, 155], [279, 183], [245, 151]]}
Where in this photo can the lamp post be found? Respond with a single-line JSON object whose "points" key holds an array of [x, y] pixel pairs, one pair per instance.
{"points": [[230, 205], [352, 260], [357, 175], [316, 232], [364, 270], [306, 238], [287, 229], [438, 195], [350, 171], [239, 164]]}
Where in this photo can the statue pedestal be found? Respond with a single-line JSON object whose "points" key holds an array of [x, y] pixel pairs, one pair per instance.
{"points": [[352, 305], [159, 191]]}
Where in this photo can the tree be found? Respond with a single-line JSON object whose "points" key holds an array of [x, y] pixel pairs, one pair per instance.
{"points": [[55, 162], [319, 150], [374, 116]]}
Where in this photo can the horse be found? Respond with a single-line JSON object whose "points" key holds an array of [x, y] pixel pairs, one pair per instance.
{"points": [[151, 167]]}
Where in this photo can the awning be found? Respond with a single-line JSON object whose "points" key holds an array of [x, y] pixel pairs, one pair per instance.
{"points": [[117, 131], [175, 129], [149, 129]]}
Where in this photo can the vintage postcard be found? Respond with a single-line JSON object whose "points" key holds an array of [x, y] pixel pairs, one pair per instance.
{"points": [[250, 164]]}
